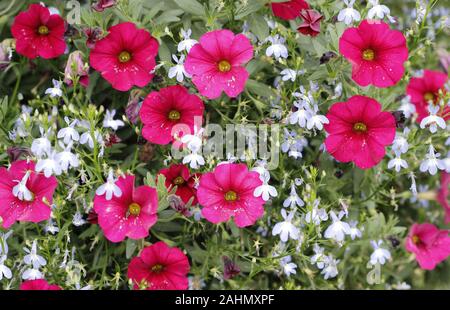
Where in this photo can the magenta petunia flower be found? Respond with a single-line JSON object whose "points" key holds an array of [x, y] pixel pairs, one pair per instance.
{"points": [[159, 267], [311, 23], [25, 195], [126, 56], [178, 175], [216, 63], [228, 192], [290, 9], [426, 89], [443, 193], [130, 215], [39, 33], [169, 107], [376, 52], [359, 131], [38, 285], [430, 245]]}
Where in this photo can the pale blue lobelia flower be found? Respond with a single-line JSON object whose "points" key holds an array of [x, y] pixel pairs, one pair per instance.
{"points": [[286, 229], [379, 255], [109, 189]]}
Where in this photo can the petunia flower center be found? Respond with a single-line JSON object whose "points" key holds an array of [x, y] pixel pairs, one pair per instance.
{"points": [[124, 56], [360, 127], [230, 196], [429, 96], [158, 268], [174, 115], [43, 30], [178, 180], [416, 239], [368, 54], [134, 209], [224, 66]]}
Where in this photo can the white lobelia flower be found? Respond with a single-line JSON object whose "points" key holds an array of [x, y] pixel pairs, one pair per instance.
{"points": [[433, 120], [286, 229], [378, 10], [4, 270], [54, 91], [330, 269], [318, 258], [32, 258], [407, 107], [265, 191], [288, 266], [178, 70], [49, 165], [338, 229], [41, 145], [109, 189], [338, 90], [261, 168], [288, 74], [316, 120], [66, 159], [379, 254], [400, 144], [302, 114], [69, 134], [397, 163], [51, 228], [77, 219], [293, 200], [86, 138], [355, 232], [194, 159], [349, 14], [277, 48], [316, 215], [110, 122], [193, 142], [431, 163], [3, 244], [32, 274], [187, 43], [21, 190]]}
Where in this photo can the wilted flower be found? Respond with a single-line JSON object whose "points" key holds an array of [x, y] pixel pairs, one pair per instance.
{"points": [[76, 68]]}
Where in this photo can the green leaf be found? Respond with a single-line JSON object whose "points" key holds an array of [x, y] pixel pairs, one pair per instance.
{"points": [[260, 89], [259, 27], [131, 246], [191, 6]]}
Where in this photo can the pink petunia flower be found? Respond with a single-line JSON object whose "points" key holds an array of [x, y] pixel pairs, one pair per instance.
{"points": [[38, 285], [216, 63], [443, 193], [25, 195], [39, 33], [169, 107], [228, 192], [311, 23], [159, 267], [424, 90], [376, 52], [126, 56], [178, 175], [130, 215], [430, 245], [290, 9], [359, 131]]}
